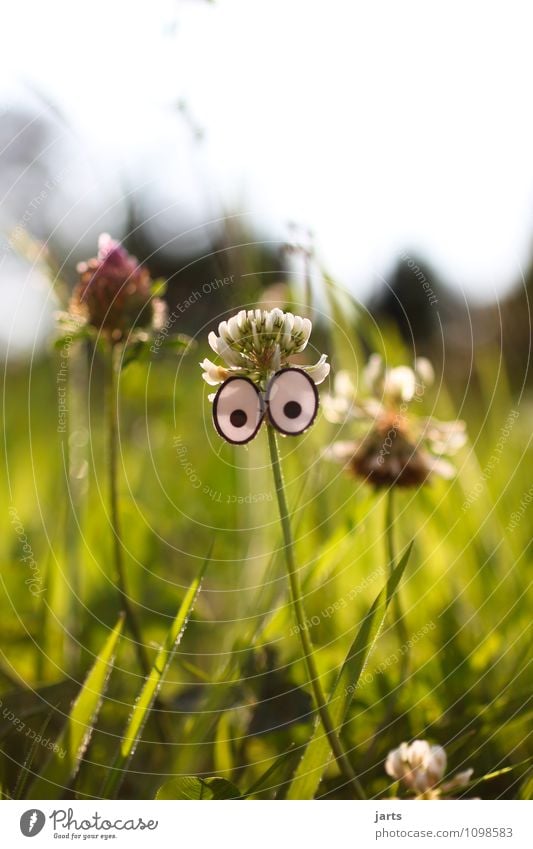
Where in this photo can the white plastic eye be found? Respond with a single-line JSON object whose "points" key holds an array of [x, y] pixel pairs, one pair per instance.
{"points": [[238, 410], [292, 400]]}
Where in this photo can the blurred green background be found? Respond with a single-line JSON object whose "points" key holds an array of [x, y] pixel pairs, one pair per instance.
{"points": [[236, 696]]}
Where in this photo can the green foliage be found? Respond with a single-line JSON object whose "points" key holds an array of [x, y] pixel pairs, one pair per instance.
{"points": [[317, 755], [235, 697], [151, 686], [190, 787], [71, 744], [271, 784]]}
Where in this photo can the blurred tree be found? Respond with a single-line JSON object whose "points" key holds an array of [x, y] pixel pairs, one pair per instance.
{"points": [[416, 301]]}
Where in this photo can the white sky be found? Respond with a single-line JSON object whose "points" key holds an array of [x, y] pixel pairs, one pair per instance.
{"points": [[384, 126]]}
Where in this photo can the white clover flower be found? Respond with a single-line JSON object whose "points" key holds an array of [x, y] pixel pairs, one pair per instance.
{"points": [[420, 767], [394, 446], [394, 385], [257, 344]]}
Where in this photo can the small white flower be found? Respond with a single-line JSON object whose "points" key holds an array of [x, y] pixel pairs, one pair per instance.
{"points": [[420, 767], [258, 343], [399, 384], [394, 385]]}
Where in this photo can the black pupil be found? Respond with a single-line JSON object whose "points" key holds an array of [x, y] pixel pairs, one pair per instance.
{"points": [[292, 409], [238, 418]]}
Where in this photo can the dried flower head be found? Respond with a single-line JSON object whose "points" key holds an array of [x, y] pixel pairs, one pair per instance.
{"points": [[114, 293], [394, 446], [257, 344], [421, 767]]}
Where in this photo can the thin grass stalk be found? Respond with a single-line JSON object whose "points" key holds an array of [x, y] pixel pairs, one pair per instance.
{"points": [[120, 575], [399, 618]]}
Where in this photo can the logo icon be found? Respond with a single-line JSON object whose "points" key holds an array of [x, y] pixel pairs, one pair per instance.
{"points": [[32, 822]]}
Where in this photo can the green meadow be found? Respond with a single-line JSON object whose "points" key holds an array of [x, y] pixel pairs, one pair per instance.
{"points": [[225, 709]]}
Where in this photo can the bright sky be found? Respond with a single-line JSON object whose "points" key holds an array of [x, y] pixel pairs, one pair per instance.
{"points": [[384, 126]]}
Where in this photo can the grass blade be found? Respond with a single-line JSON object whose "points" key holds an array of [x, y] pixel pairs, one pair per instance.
{"points": [[317, 754], [489, 776], [74, 738], [151, 687], [25, 770], [270, 785], [223, 755]]}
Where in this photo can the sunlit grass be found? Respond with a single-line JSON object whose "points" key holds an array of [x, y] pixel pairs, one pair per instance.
{"points": [[236, 691]]}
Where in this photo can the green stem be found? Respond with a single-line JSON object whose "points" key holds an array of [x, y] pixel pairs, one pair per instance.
{"points": [[399, 622], [120, 575], [299, 612], [399, 626], [160, 718]]}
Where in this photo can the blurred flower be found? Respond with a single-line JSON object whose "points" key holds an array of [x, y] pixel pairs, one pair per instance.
{"points": [[114, 293], [421, 767], [394, 445], [257, 343]]}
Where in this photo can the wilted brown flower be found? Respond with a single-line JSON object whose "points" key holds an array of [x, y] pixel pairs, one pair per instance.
{"points": [[114, 293], [395, 447]]}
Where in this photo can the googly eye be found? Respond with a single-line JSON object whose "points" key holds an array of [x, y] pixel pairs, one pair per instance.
{"points": [[238, 410], [292, 400]]}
